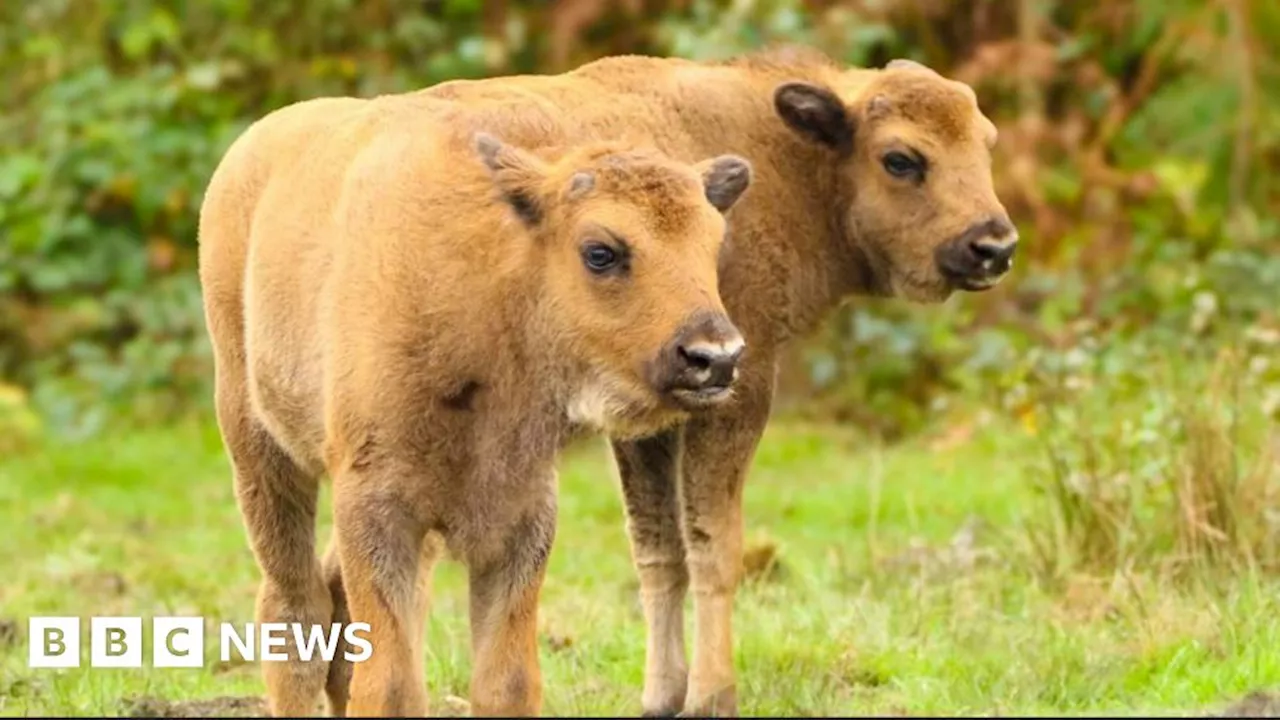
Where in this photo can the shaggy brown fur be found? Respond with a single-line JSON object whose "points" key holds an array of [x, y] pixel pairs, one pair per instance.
{"points": [[864, 182], [826, 220], [428, 332]]}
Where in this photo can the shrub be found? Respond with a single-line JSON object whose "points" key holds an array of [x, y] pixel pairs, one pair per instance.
{"points": [[1138, 155], [1147, 466]]}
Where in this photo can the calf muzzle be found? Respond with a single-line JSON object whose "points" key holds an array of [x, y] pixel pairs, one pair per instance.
{"points": [[980, 256], [699, 366]]}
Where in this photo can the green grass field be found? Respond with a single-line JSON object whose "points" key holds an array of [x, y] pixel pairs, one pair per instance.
{"points": [[882, 581]]}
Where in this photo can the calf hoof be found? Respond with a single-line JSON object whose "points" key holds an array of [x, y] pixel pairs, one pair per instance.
{"points": [[668, 708], [664, 697], [720, 704]]}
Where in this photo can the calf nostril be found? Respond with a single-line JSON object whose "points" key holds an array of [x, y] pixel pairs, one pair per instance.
{"points": [[711, 364], [992, 252], [697, 357]]}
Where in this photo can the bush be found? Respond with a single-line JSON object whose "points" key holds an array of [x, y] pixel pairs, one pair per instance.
{"points": [[1138, 154], [1149, 466]]}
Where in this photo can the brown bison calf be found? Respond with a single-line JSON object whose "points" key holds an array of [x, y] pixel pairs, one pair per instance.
{"points": [[428, 327], [865, 182]]}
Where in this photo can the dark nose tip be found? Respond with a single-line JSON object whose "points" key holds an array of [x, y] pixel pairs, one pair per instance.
{"points": [[702, 359], [993, 245], [993, 250], [712, 362]]}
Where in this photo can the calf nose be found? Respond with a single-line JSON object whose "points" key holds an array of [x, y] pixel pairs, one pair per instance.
{"points": [[992, 245], [995, 256], [712, 364], [979, 257], [703, 358]]}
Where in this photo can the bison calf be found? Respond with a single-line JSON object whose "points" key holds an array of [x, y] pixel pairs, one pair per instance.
{"points": [[426, 317]]}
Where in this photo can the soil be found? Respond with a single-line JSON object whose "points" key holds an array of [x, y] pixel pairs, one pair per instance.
{"points": [[1254, 705], [228, 706]]}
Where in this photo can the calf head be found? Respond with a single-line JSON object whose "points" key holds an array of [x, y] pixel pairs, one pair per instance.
{"points": [[913, 155], [628, 242]]}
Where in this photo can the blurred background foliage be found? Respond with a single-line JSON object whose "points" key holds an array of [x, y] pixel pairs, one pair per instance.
{"points": [[1139, 154]]}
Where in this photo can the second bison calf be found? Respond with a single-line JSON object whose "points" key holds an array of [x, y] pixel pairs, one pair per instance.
{"points": [[429, 330]]}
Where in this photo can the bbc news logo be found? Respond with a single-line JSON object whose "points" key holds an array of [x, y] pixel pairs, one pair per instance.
{"points": [[178, 642]]}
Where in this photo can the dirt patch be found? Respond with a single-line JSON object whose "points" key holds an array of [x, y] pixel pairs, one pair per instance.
{"points": [[965, 552], [452, 706], [150, 707], [1254, 705], [8, 632], [761, 563], [557, 642], [101, 583], [21, 687]]}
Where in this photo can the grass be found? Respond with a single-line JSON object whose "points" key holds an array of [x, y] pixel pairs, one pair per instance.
{"points": [[896, 583]]}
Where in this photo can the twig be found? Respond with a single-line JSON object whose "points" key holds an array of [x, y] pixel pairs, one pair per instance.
{"points": [[1152, 63], [1029, 96], [1242, 150]]}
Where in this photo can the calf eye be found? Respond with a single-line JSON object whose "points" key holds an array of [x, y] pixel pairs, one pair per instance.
{"points": [[598, 257], [901, 165]]}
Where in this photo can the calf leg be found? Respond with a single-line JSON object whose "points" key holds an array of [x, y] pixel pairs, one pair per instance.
{"points": [[649, 470], [380, 540], [277, 500], [718, 450], [506, 679], [337, 686]]}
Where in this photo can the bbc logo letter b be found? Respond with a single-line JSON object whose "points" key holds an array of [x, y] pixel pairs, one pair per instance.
{"points": [[116, 642], [54, 642]]}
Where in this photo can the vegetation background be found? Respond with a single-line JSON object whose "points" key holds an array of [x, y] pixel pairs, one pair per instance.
{"points": [[1139, 149], [1130, 365]]}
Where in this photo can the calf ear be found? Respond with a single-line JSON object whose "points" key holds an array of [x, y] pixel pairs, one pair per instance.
{"points": [[816, 113], [724, 179], [517, 175]]}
